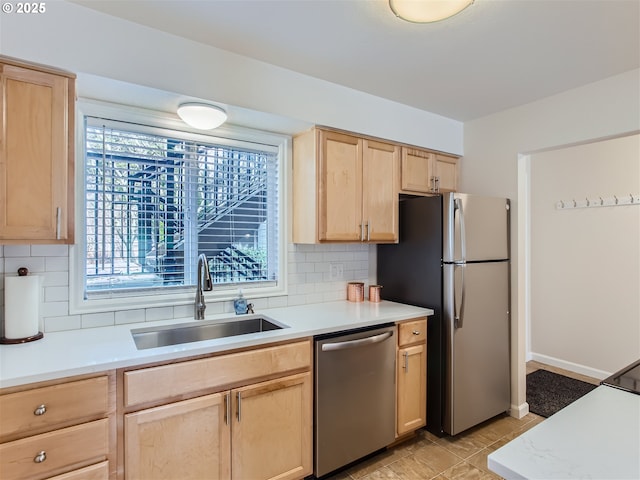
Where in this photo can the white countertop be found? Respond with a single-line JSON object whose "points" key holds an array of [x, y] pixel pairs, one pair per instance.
{"points": [[597, 437], [77, 352]]}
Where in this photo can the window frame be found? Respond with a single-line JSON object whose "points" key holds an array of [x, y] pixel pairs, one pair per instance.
{"points": [[139, 299]]}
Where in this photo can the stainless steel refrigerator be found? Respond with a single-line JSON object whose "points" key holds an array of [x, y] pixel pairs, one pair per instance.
{"points": [[453, 257]]}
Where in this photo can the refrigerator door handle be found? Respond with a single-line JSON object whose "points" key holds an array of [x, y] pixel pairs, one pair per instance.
{"points": [[463, 242], [458, 316]]}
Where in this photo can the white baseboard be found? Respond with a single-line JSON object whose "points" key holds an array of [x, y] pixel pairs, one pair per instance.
{"points": [[519, 411], [572, 367]]}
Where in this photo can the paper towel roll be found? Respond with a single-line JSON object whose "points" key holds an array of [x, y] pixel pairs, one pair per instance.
{"points": [[21, 306]]}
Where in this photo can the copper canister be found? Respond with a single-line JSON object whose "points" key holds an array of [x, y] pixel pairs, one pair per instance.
{"points": [[355, 291], [374, 293]]}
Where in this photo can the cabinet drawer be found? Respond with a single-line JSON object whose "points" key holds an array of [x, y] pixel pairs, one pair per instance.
{"points": [[99, 471], [166, 381], [39, 408], [414, 331], [71, 447]]}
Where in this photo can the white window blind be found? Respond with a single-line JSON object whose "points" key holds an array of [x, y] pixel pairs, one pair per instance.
{"points": [[156, 198]]}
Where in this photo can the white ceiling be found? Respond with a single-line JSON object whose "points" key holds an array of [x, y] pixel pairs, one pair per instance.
{"points": [[495, 55]]}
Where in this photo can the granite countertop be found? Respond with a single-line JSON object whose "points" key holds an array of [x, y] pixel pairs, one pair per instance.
{"points": [[77, 352], [597, 436]]}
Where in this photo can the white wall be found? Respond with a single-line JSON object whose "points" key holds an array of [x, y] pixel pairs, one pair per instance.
{"points": [[585, 262], [82, 40], [491, 165]]}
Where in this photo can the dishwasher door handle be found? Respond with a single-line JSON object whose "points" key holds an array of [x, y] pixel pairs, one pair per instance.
{"points": [[361, 342]]}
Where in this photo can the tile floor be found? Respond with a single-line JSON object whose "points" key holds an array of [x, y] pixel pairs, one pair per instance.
{"points": [[426, 456]]}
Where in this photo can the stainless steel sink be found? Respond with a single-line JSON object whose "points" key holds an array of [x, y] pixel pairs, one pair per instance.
{"points": [[152, 337]]}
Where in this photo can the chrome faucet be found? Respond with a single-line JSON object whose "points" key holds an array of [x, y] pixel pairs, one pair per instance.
{"points": [[204, 284]]}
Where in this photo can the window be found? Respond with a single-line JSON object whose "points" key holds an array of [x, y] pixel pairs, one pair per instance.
{"points": [[155, 198]]}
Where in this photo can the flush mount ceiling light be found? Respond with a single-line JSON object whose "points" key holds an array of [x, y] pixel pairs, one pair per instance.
{"points": [[201, 115], [427, 11]]}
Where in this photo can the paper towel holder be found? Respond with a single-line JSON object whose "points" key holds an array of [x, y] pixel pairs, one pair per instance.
{"points": [[22, 272]]}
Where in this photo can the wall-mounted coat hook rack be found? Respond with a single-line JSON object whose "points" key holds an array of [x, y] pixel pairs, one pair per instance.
{"points": [[600, 201]]}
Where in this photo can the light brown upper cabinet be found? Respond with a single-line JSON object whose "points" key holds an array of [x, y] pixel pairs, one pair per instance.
{"points": [[425, 172], [36, 153], [345, 188]]}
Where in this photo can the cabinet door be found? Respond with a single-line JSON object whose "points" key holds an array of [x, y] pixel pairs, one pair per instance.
{"points": [[186, 440], [272, 433], [340, 189], [416, 171], [446, 173], [412, 388], [34, 156], [380, 171]]}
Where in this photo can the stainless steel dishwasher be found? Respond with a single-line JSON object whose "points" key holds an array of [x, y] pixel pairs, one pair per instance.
{"points": [[354, 396]]}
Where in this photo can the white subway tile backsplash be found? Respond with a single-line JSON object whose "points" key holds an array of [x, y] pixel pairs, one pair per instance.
{"points": [[321, 267], [313, 298], [216, 308], [305, 267], [296, 278], [129, 316], [313, 257], [277, 302], [56, 264], [56, 294], [57, 324], [49, 251], [54, 309], [17, 251], [296, 257], [313, 277], [309, 281], [159, 313], [184, 311], [56, 279], [305, 248], [297, 300], [104, 319], [334, 296]]}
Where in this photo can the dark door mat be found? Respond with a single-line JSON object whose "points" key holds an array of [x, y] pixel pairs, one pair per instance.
{"points": [[548, 392]]}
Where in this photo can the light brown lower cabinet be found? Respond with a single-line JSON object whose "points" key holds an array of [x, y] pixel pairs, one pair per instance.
{"points": [[260, 431], [411, 399], [412, 378]]}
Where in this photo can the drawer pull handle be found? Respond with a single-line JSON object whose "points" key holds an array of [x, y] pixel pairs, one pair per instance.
{"points": [[41, 410], [416, 332], [41, 457]]}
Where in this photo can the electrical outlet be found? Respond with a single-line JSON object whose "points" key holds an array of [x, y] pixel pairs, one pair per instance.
{"points": [[336, 271]]}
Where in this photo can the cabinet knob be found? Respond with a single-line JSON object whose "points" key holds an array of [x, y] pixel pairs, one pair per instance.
{"points": [[40, 457], [416, 332], [41, 410]]}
